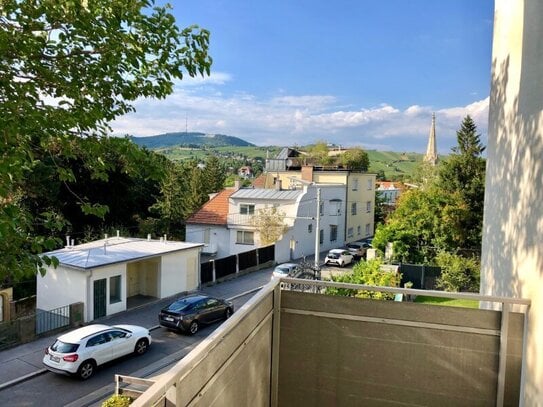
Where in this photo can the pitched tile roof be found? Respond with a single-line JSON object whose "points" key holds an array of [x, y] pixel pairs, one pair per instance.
{"points": [[214, 211]]}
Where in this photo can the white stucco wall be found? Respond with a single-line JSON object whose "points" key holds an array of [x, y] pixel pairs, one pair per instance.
{"points": [[179, 272], [512, 246], [60, 287], [106, 272], [218, 237]]}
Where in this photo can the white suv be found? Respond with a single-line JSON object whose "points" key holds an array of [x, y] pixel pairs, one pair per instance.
{"points": [[341, 257], [79, 352]]}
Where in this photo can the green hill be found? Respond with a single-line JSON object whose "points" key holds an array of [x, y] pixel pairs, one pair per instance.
{"points": [[194, 140], [182, 146]]}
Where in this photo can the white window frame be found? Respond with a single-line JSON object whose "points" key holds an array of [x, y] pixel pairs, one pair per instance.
{"points": [[115, 297], [368, 229], [335, 207], [350, 232], [242, 237], [353, 209], [355, 184], [370, 184], [246, 209], [368, 206], [333, 233]]}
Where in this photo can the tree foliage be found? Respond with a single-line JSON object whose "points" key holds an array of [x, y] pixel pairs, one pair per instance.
{"points": [[68, 69], [458, 273], [270, 224], [463, 174], [367, 273], [445, 213], [355, 159]]}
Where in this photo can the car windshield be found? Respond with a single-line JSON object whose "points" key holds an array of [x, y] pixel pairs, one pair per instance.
{"points": [[282, 270], [353, 246], [64, 347], [333, 255]]}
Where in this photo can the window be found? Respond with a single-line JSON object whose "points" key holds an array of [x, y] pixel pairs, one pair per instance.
{"points": [[353, 208], [114, 289], [321, 236], [359, 230], [321, 208], [335, 207], [350, 232], [310, 228], [333, 233], [367, 229], [368, 206], [355, 184], [246, 209], [370, 184], [245, 237]]}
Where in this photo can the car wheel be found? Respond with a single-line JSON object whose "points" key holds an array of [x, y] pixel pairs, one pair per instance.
{"points": [[141, 347], [193, 328], [228, 313], [86, 369]]}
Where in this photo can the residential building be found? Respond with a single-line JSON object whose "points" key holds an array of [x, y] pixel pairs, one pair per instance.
{"points": [[107, 274], [288, 168], [389, 192], [512, 246], [209, 225]]}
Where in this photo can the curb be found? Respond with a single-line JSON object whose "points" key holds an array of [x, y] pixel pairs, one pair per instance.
{"points": [[22, 379]]}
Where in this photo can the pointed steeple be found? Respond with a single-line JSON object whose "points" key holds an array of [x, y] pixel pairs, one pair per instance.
{"points": [[431, 150]]}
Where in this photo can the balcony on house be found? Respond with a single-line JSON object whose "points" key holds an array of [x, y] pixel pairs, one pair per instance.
{"points": [[294, 345]]}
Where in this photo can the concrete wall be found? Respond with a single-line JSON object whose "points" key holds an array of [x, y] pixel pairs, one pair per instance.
{"points": [[60, 287], [177, 270], [218, 236], [512, 250], [347, 351]]}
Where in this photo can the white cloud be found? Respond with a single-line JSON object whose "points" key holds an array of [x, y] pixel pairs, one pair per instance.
{"points": [[290, 119]]}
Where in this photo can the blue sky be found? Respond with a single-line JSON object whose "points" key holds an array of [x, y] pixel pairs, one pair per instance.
{"points": [[355, 73]]}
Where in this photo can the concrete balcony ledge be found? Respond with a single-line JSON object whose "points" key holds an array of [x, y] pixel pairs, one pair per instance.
{"points": [[287, 347]]}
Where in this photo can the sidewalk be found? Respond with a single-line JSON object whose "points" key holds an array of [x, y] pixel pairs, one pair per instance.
{"points": [[25, 361]]}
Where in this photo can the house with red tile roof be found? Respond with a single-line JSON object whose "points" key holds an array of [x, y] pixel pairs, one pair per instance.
{"points": [[209, 225]]}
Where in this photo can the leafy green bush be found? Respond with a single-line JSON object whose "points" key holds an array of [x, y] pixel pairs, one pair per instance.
{"points": [[458, 273], [367, 273], [117, 400]]}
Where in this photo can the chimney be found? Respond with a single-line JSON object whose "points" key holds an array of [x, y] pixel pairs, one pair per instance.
{"points": [[148, 237], [165, 238], [68, 241], [237, 184], [307, 173], [118, 234]]}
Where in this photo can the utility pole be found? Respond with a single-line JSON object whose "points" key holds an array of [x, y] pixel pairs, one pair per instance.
{"points": [[318, 231]]}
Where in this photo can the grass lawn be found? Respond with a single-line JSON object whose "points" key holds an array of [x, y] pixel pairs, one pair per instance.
{"points": [[447, 302]]}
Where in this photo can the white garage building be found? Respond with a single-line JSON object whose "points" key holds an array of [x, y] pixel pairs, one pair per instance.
{"points": [[110, 275]]}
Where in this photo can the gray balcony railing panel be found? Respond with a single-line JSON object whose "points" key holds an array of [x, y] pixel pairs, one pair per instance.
{"points": [[362, 352]]}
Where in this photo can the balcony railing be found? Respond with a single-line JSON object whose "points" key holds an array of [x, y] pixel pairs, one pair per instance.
{"points": [[290, 347]]}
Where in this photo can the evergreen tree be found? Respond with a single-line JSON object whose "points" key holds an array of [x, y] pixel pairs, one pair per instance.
{"points": [[213, 175], [463, 174]]}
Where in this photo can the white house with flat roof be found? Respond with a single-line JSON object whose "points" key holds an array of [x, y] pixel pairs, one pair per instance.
{"points": [[106, 274]]}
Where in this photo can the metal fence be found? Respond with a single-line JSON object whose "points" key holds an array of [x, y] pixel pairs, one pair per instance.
{"points": [[216, 269], [39, 323], [423, 277], [50, 320]]}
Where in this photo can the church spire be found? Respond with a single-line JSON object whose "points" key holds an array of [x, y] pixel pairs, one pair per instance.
{"points": [[431, 150]]}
